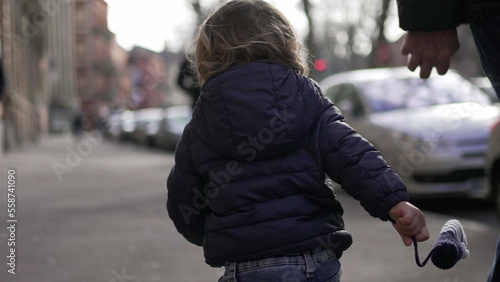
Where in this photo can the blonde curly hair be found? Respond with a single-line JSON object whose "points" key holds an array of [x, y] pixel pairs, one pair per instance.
{"points": [[242, 31]]}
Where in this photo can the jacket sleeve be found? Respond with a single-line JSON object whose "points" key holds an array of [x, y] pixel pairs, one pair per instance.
{"points": [[358, 167], [474, 8], [429, 15], [186, 205]]}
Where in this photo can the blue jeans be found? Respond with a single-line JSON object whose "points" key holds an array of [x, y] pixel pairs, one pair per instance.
{"points": [[317, 265], [486, 31]]}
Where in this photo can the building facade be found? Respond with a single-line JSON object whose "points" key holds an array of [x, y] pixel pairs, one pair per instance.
{"points": [[95, 70], [38, 64], [149, 79], [63, 99], [23, 51], [122, 84]]}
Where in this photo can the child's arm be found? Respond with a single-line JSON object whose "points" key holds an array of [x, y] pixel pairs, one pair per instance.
{"points": [[409, 221], [353, 162], [186, 205], [357, 166]]}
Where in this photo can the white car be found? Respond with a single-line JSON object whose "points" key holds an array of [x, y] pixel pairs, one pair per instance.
{"points": [[167, 131], [433, 132], [113, 124], [142, 119], [127, 125], [484, 83]]}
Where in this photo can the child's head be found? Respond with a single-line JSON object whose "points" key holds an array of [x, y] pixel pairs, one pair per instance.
{"points": [[243, 31]]}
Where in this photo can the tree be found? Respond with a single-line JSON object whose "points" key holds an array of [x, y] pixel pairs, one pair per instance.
{"points": [[350, 31], [197, 8], [379, 41], [310, 41], [202, 10]]}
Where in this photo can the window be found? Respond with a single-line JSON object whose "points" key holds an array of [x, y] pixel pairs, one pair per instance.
{"points": [[347, 99], [80, 13], [81, 46]]}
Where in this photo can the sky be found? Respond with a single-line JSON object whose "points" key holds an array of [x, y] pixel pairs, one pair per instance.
{"points": [[153, 24]]}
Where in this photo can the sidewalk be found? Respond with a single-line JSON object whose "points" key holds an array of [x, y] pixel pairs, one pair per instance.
{"points": [[103, 219], [100, 217]]}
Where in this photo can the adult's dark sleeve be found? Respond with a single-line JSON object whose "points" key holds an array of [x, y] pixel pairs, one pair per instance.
{"points": [[473, 8], [429, 15]]}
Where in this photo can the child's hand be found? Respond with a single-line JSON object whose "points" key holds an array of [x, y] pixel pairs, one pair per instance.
{"points": [[409, 221]]}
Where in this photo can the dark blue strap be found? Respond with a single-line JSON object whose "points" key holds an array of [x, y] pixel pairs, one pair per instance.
{"points": [[415, 246], [417, 259]]}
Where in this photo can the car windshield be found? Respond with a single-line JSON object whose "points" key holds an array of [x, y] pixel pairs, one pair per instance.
{"points": [[394, 94]]}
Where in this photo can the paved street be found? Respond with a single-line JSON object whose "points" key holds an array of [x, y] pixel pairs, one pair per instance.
{"points": [[94, 211]]}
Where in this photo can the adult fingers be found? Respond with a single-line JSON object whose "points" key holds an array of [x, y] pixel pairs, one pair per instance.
{"points": [[426, 68], [409, 43], [413, 62], [406, 47], [442, 66]]}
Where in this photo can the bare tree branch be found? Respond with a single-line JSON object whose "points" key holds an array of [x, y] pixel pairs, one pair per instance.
{"points": [[379, 40], [381, 19], [310, 39], [198, 10]]}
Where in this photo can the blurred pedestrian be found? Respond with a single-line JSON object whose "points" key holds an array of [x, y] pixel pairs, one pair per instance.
{"points": [[432, 40], [186, 79], [78, 126], [249, 179], [432, 33]]}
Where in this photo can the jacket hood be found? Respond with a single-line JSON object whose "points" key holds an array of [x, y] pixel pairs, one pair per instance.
{"points": [[257, 110]]}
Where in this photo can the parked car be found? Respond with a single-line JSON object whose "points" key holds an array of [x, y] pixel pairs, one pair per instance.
{"points": [[127, 125], [493, 164], [142, 119], [433, 132], [114, 125], [485, 84], [167, 132]]}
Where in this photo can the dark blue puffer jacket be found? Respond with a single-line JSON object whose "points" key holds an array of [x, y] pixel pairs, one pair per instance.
{"points": [[249, 178]]}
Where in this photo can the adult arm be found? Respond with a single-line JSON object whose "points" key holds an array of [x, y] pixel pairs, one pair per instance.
{"points": [[429, 49], [429, 15], [432, 38]]}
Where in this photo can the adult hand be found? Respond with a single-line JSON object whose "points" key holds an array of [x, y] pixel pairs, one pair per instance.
{"points": [[409, 221], [429, 49]]}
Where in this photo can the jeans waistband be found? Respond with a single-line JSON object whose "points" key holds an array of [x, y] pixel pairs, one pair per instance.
{"points": [[312, 256]]}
